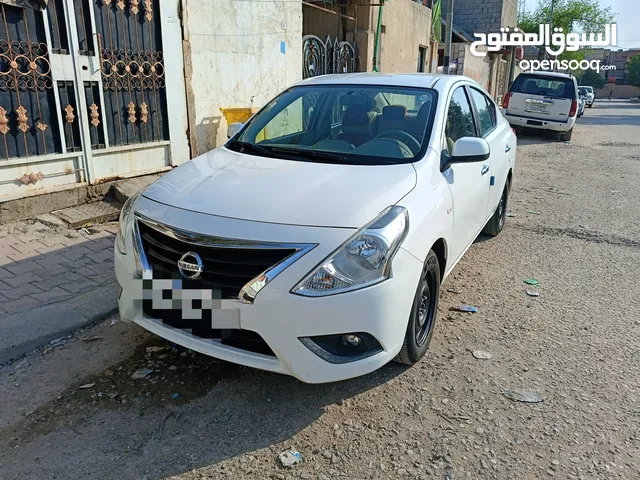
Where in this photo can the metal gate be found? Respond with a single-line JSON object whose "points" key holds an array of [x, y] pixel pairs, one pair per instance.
{"points": [[330, 56], [83, 93]]}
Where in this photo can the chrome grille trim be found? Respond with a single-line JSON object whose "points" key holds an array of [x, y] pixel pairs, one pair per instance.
{"points": [[250, 290]]}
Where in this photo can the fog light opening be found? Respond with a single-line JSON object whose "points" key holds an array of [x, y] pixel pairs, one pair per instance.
{"points": [[343, 347], [351, 341]]}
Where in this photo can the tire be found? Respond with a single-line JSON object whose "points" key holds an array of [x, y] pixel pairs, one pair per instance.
{"points": [[566, 136], [590, 105], [422, 319], [495, 225]]}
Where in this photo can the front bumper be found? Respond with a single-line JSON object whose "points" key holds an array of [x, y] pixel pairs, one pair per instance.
{"points": [[278, 316], [517, 121]]}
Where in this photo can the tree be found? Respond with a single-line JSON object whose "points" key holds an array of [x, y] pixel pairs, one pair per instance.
{"points": [[633, 71], [593, 79], [572, 15]]}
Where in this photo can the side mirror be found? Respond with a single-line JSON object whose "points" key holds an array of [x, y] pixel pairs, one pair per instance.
{"points": [[234, 128], [465, 150]]}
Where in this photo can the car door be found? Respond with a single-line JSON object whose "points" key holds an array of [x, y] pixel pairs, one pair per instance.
{"points": [[468, 182], [498, 135]]}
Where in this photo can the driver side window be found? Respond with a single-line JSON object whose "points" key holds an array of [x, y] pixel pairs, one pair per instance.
{"points": [[460, 121]]}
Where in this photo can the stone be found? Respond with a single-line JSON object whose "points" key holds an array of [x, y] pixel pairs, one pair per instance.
{"points": [[141, 373]]}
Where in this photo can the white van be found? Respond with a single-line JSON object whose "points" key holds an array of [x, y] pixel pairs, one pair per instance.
{"points": [[543, 100]]}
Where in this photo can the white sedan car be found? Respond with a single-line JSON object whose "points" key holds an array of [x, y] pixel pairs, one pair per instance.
{"points": [[314, 242]]}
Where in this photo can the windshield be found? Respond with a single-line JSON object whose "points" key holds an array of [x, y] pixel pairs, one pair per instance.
{"points": [[556, 87], [351, 124]]}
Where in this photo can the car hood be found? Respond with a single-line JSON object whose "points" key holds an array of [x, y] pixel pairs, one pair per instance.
{"points": [[248, 187]]}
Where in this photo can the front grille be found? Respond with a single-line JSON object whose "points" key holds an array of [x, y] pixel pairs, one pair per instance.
{"points": [[226, 269]]}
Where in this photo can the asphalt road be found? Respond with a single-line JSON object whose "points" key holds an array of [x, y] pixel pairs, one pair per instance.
{"points": [[576, 229]]}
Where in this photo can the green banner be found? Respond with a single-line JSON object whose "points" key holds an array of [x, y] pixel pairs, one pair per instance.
{"points": [[436, 21]]}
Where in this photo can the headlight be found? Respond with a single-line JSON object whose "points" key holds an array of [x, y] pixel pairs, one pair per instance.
{"points": [[124, 224], [363, 260]]}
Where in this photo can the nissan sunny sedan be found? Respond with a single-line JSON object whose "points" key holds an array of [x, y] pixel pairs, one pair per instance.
{"points": [[314, 242]]}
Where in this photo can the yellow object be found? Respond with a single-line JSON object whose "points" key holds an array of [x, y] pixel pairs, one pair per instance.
{"points": [[233, 115]]}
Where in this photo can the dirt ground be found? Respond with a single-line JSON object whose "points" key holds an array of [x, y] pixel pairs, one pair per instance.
{"points": [[576, 229]]}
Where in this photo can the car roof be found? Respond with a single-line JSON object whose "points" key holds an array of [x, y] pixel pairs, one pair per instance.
{"points": [[424, 80], [549, 74]]}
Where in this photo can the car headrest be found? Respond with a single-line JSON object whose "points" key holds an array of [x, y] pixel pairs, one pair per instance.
{"points": [[356, 119], [394, 113]]}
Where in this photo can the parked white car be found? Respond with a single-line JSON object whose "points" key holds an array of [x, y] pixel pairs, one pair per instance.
{"points": [[315, 241], [589, 94], [582, 102], [543, 101]]}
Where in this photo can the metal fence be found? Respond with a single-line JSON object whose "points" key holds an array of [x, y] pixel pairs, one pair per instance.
{"points": [[329, 56]]}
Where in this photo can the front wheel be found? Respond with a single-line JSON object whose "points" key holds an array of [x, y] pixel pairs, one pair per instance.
{"points": [[423, 313]]}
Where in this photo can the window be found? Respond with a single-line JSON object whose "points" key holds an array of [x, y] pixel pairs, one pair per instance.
{"points": [[485, 110], [459, 119], [348, 123], [558, 87], [422, 58]]}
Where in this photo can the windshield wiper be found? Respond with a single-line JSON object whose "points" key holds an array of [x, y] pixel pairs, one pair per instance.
{"points": [[250, 147], [311, 154]]}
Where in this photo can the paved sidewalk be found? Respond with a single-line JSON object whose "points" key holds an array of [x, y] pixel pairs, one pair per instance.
{"points": [[52, 281]]}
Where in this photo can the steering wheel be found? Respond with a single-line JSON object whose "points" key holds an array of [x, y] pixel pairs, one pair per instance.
{"points": [[403, 137]]}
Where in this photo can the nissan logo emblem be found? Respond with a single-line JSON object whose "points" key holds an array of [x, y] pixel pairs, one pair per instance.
{"points": [[190, 266]]}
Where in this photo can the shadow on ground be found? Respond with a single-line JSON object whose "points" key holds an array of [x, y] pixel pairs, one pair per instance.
{"points": [[192, 411]]}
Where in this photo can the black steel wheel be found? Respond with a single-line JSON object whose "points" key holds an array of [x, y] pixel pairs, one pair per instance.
{"points": [[423, 313], [495, 225]]}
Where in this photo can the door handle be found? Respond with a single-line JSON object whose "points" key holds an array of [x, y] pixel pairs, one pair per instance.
{"points": [[507, 149], [485, 169]]}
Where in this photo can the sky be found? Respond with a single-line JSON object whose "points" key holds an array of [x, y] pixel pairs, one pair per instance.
{"points": [[628, 19]]}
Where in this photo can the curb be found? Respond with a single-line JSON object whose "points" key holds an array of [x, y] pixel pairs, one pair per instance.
{"points": [[21, 333]]}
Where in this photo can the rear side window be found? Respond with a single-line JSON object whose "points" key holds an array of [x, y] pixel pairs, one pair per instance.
{"points": [[555, 87], [486, 111]]}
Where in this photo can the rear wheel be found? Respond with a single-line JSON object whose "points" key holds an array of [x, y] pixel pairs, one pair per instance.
{"points": [[423, 313], [566, 136], [495, 225]]}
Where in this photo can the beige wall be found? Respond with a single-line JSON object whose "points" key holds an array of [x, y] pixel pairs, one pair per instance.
{"points": [[509, 13], [476, 68], [407, 26], [233, 58]]}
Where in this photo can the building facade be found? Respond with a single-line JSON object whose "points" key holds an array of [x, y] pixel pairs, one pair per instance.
{"points": [[494, 70], [96, 90]]}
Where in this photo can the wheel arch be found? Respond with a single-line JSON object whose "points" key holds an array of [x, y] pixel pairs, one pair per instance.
{"points": [[440, 249]]}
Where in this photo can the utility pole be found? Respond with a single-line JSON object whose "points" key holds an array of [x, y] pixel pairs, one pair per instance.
{"points": [[553, 4], [447, 45]]}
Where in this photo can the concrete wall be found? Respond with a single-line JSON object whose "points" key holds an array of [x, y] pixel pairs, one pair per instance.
{"points": [[234, 59], [407, 26], [619, 91], [476, 68], [482, 15]]}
